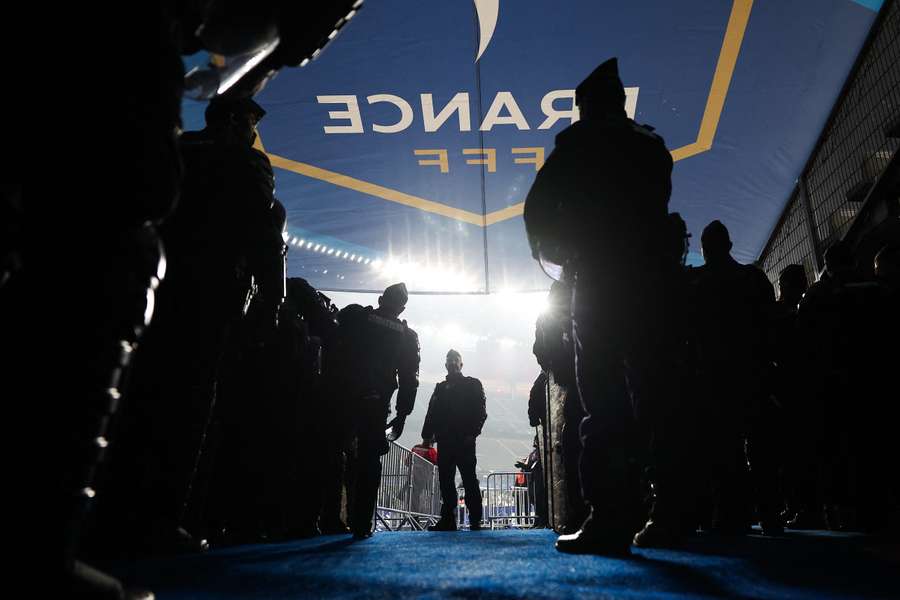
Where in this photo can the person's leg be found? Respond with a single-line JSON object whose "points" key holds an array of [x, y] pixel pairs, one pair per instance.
{"points": [[603, 466], [371, 444], [466, 463], [447, 459], [576, 510], [675, 459], [330, 521], [763, 455]]}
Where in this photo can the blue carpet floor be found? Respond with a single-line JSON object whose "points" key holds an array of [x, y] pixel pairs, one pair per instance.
{"points": [[524, 564]]}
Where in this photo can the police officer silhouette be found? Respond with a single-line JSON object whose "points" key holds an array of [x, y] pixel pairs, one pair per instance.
{"points": [[378, 353], [597, 217]]}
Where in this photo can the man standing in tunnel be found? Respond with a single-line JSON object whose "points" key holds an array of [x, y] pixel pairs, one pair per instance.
{"points": [[456, 414], [596, 216], [734, 304], [378, 353], [224, 247]]}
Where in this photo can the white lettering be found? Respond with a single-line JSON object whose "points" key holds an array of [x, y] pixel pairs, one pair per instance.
{"points": [[352, 114], [459, 104], [554, 115], [406, 113], [501, 100], [556, 105], [631, 94]]}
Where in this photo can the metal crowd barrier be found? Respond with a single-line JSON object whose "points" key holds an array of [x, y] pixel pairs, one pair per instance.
{"points": [[462, 510], [508, 503], [409, 496]]}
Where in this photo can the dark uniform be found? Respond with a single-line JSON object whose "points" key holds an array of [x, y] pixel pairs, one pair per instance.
{"points": [[251, 442], [555, 353], [598, 208], [224, 247], [669, 425], [734, 304], [846, 325], [456, 414], [313, 321], [378, 353], [73, 318], [131, 175], [791, 431]]}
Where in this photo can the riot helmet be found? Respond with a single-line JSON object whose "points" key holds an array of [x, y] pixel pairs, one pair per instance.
{"points": [[394, 298], [601, 91]]}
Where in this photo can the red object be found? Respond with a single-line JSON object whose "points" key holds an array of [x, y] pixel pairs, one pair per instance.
{"points": [[520, 479], [429, 454]]}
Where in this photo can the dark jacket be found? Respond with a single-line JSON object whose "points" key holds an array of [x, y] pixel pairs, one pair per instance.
{"points": [[457, 410], [225, 212], [602, 195], [734, 304], [377, 354], [226, 230]]}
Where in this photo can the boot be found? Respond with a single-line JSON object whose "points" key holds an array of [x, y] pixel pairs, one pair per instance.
{"points": [[444, 525], [337, 527], [84, 581], [664, 528], [806, 519], [606, 538], [658, 535]]}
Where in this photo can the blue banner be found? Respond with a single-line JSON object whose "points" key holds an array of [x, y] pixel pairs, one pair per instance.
{"points": [[405, 150]]}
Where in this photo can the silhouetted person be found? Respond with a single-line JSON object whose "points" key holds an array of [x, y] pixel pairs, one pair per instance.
{"points": [[537, 400], [313, 413], [126, 175], [259, 402], [537, 491], [131, 172], [321, 450], [377, 354], [596, 215], [734, 303], [456, 414], [670, 423], [794, 429], [553, 346], [792, 284], [554, 350], [842, 318], [225, 252], [887, 274]]}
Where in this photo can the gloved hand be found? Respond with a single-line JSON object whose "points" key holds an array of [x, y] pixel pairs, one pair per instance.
{"points": [[396, 427]]}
